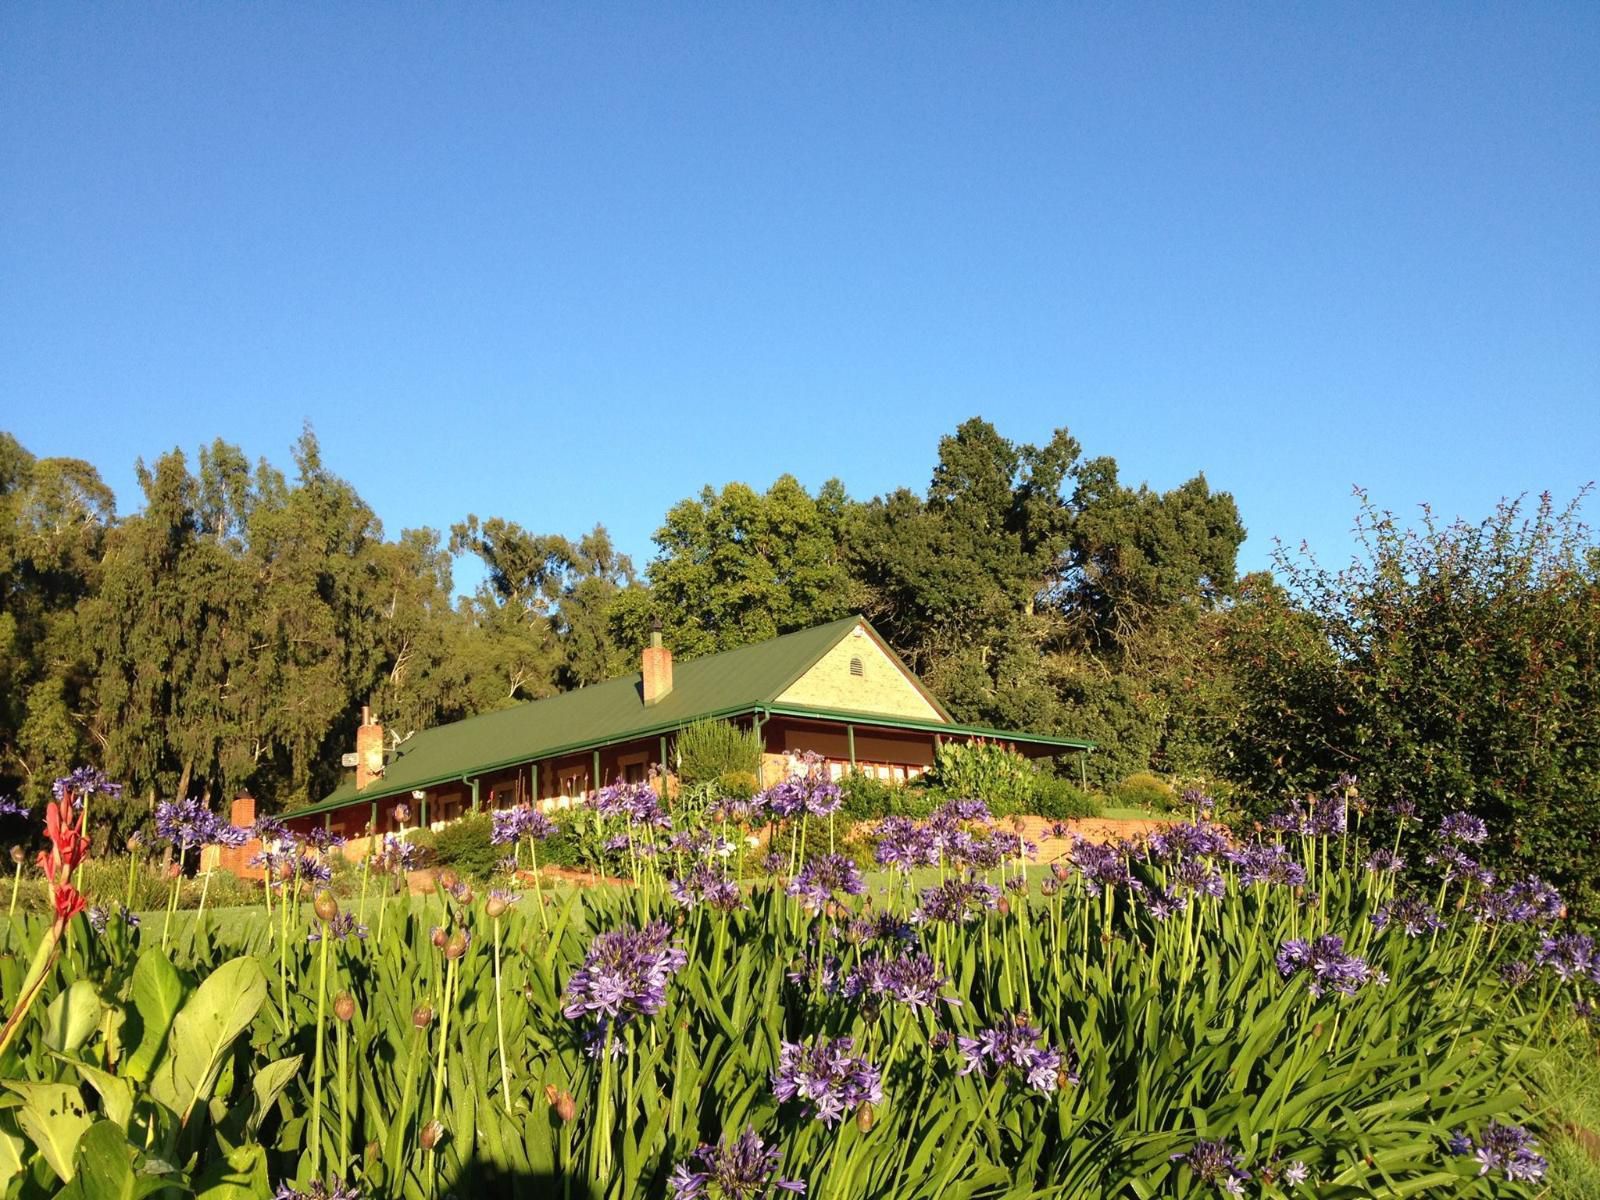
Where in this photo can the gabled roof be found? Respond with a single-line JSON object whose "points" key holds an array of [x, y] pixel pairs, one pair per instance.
{"points": [[726, 684]]}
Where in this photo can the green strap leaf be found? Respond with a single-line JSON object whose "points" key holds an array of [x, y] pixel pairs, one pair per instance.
{"points": [[220, 1010]]}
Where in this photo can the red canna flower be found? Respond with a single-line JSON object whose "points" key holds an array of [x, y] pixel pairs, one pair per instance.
{"points": [[69, 902], [64, 828]]}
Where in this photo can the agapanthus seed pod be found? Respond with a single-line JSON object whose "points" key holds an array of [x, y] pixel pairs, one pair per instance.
{"points": [[135, 840], [402, 813], [864, 1117], [344, 1006], [448, 879], [1060, 870], [496, 907], [550, 1093], [456, 946], [566, 1107], [1018, 824], [437, 937], [17, 856], [174, 870], [326, 907], [432, 1134], [1003, 906], [422, 1016]]}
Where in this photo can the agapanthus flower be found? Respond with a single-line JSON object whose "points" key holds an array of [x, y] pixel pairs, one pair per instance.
{"points": [[624, 975], [815, 968], [332, 1189], [825, 876], [912, 979], [1327, 964], [1384, 862], [99, 917], [827, 1077], [518, 824], [272, 830], [1463, 827], [85, 781], [953, 811], [1508, 1149], [324, 840], [1193, 875], [1411, 916], [1215, 1162], [1267, 863], [1525, 902], [637, 802], [1516, 972], [10, 806], [1458, 864], [1014, 1044], [706, 885], [743, 1168], [189, 823], [1102, 865], [341, 927], [1191, 838], [881, 927], [1570, 956], [1162, 904], [904, 845], [956, 902]]}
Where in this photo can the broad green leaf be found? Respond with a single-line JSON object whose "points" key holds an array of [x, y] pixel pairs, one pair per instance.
{"points": [[240, 1175], [53, 1118], [268, 1085], [12, 1149], [157, 993], [116, 1094], [72, 1016], [106, 1168], [221, 1008]]}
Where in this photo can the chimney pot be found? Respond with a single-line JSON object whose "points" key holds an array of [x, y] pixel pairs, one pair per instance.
{"points": [[369, 749]]}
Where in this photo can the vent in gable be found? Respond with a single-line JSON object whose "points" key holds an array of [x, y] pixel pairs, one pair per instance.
{"points": [[856, 668]]}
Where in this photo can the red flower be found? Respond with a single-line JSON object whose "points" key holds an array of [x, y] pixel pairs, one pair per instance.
{"points": [[64, 828], [69, 902]]}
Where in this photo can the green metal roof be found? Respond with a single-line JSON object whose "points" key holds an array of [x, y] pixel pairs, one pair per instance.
{"points": [[727, 684]]}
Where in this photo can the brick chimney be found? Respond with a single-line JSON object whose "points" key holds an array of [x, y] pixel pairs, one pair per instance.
{"points": [[369, 749], [656, 667]]}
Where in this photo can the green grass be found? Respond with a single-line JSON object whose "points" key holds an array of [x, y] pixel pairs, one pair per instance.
{"points": [[1570, 1080], [1133, 814]]}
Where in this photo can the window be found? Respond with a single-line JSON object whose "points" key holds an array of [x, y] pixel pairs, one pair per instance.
{"points": [[856, 668]]}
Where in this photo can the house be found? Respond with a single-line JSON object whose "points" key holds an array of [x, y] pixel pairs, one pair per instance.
{"points": [[835, 689]]}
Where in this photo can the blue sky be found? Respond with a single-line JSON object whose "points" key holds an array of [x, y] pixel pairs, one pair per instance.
{"points": [[571, 263]]}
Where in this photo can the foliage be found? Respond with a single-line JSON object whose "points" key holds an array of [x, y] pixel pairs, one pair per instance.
{"points": [[464, 845], [1144, 789], [1062, 800], [707, 751], [1455, 664], [1004, 779]]}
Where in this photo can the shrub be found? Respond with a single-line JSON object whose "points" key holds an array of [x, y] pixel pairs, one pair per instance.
{"points": [[1062, 800], [736, 784], [709, 750], [867, 798], [464, 845], [1145, 789], [986, 771]]}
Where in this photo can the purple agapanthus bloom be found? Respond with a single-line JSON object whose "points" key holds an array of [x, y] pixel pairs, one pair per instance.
{"points": [[1162, 904], [1192, 838], [637, 802], [1384, 862], [741, 1169], [904, 845], [1267, 863], [912, 979], [1195, 876], [1409, 915], [1014, 1044], [333, 1189], [956, 901], [10, 806], [313, 870], [624, 975], [1525, 902], [341, 927], [85, 781], [271, 830], [824, 876], [706, 885], [1508, 1149], [1101, 864], [827, 1077], [1324, 960], [1463, 827], [324, 840], [881, 927], [1570, 956], [189, 823], [518, 824], [1215, 1162]]}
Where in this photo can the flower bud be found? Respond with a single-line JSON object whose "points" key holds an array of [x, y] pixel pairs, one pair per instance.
{"points": [[372, 1152], [1060, 870], [421, 1016], [437, 937], [864, 1117], [448, 879], [402, 813], [344, 1006], [1063, 1080], [462, 893], [174, 870], [456, 945], [17, 855], [496, 907], [432, 1134], [550, 1093], [326, 907], [1003, 906], [566, 1107]]}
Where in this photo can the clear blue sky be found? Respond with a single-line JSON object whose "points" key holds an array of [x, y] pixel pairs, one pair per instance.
{"points": [[570, 263]]}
